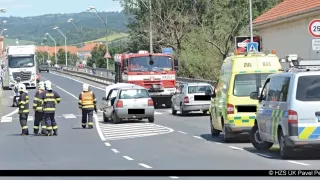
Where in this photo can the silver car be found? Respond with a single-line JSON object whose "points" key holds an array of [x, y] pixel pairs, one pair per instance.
{"points": [[127, 103], [192, 97]]}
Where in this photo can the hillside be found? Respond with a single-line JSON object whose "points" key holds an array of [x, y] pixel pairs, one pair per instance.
{"points": [[21, 42], [34, 28], [111, 38]]}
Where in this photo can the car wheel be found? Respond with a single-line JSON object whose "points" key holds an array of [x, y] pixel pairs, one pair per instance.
{"points": [[182, 112], [227, 135], [205, 112], [214, 132], [285, 152], [151, 119], [174, 112], [105, 119], [48, 71], [115, 118], [256, 140]]}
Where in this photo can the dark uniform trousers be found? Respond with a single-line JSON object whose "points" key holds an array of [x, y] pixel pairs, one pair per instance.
{"points": [[24, 112], [87, 114], [50, 99]]}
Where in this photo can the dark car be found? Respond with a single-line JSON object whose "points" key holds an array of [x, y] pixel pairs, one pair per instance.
{"points": [[44, 67]]}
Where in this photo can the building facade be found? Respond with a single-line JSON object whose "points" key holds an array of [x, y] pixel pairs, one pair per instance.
{"points": [[284, 28]]}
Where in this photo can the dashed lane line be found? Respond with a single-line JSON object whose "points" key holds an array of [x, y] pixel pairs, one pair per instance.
{"points": [[107, 144], [6, 119], [218, 143], [236, 148], [198, 137], [264, 155], [115, 151], [300, 163], [173, 177], [128, 158], [145, 166], [182, 132]]}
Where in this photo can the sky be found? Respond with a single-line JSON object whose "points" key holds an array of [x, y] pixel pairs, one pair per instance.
{"points": [[24, 8]]}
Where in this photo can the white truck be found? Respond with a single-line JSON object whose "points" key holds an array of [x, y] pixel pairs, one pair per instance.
{"points": [[21, 64]]}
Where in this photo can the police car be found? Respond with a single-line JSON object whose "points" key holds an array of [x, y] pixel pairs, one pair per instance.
{"points": [[289, 110]]}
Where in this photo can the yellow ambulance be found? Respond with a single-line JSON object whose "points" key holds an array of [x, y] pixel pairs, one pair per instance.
{"points": [[232, 111]]}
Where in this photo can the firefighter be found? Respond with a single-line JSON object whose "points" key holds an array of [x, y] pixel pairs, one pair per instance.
{"points": [[47, 81], [87, 103], [23, 109], [50, 98], [38, 109]]}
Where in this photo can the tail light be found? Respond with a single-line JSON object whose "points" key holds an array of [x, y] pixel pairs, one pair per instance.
{"points": [[150, 102], [292, 117], [186, 99], [230, 109], [119, 104]]}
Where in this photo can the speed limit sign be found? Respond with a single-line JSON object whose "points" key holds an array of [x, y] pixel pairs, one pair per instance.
{"points": [[314, 28]]}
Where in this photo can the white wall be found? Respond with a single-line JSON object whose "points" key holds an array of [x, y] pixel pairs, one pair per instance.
{"points": [[289, 38]]}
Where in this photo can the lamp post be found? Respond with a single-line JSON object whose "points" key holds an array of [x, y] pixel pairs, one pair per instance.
{"points": [[47, 50], [3, 31], [251, 29], [3, 10], [92, 8], [55, 46], [65, 43], [70, 20], [3, 23]]}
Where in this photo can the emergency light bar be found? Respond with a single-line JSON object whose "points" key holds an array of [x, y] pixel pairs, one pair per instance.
{"points": [[305, 65]]}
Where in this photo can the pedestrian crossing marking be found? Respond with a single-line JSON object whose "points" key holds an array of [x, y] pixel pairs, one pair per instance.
{"points": [[6, 119], [30, 118], [131, 130], [69, 116]]}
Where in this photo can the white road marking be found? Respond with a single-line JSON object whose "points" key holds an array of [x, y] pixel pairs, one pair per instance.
{"points": [[6, 119], [300, 163], [30, 118], [233, 147], [97, 123], [264, 155], [145, 166], [128, 158], [131, 130], [12, 113], [107, 144], [218, 143], [157, 112], [78, 81], [11, 97], [69, 116], [67, 92], [182, 132], [174, 177], [115, 151], [198, 137]]}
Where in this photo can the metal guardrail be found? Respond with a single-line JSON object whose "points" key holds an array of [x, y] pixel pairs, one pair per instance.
{"points": [[108, 75]]}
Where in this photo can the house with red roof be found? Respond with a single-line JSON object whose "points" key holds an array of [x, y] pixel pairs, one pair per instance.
{"points": [[284, 28]]}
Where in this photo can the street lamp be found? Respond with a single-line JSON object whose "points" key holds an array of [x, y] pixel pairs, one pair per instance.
{"points": [[3, 10], [70, 20], [65, 43], [92, 8], [46, 49], [55, 46], [3, 22], [251, 29], [3, 31]]}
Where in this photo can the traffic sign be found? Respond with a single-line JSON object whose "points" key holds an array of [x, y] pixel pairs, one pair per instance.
{"points": [[107, 55], [314, 28], [252, 47], [167, 50], [316, 44]]}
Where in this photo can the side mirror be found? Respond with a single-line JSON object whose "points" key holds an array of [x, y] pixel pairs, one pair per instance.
{"points": [[104, 98], [254, 95], [176, 64]]}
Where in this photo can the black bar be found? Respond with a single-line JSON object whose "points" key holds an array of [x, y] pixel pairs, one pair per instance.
{"points": [[140, 173]]}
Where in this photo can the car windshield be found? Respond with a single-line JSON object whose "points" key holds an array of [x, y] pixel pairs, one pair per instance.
{"points": [[244, 84], [199, 89], [21, 62], [134, 94], [308, 88], [140, 64]]}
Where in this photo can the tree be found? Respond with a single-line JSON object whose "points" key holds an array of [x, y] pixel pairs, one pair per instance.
{"points": [[61, 57]]}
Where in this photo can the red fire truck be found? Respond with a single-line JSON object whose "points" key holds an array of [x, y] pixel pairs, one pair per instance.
{"points": [[156, 72]]}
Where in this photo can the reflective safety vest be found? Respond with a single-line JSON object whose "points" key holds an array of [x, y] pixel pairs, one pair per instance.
{"points": [[24, 103], [87, 100], [50, 99], [37, 102]]}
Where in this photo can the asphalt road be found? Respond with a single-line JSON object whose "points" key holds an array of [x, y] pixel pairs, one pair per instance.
{"points": [[172, 142]]}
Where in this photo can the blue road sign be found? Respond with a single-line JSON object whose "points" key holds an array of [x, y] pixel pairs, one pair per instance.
{"points": [[252, 47], [167, 50]]}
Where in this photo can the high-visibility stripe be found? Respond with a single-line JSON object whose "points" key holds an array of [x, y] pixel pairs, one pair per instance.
{"points": [[24, 127], [55, 127], [49, 109], [50, 100], [49, 128], [35, 127], [44, 127], [90, 123]]}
